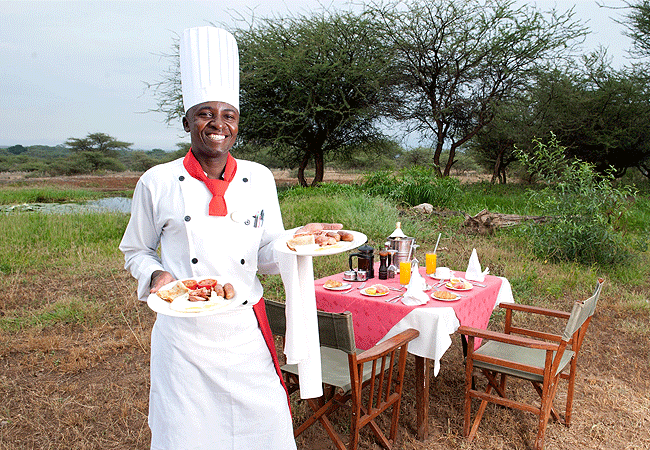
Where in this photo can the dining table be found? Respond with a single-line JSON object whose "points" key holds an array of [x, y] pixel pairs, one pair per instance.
{"points": [[379, 317]]}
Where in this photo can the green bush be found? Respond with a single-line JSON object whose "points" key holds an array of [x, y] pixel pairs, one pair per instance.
{"points": [[412, 186], [586, 211]]}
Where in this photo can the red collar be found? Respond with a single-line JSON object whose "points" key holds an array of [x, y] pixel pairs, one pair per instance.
{"points": [[217, 187]]}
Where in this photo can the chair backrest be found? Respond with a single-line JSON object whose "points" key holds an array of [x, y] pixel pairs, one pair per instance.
{"points": [[582, 310], [276, 316], [335, 330]]}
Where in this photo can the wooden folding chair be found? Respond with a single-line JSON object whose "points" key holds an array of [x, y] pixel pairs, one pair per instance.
{"points": [[537, 356], [346, 373]]}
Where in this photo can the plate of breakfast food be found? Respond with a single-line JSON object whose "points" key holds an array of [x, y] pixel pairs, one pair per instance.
{"points": [[319, 241], [376, 290], [458, 284], [445, 296], [195, 297], [336, 285]]}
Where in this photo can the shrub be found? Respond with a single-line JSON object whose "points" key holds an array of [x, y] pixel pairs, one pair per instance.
{"points": [[586, 210], [413, 185]]}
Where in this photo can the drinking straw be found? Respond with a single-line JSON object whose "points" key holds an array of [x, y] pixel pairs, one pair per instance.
{"points": [[437, 242]]}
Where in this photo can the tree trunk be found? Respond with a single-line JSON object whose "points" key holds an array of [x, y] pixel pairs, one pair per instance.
{"points": [[502, 177], [436, 159], [486, 222], [319, 164], [450, 161], [301, 169], [496, 172]]}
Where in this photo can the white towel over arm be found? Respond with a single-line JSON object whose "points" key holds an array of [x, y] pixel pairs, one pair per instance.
{"points": [[302, 344]]}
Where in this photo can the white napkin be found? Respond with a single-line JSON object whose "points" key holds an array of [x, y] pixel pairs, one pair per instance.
{"points": [[415, 294], [473, 271], [302, 344], [398, 233]]}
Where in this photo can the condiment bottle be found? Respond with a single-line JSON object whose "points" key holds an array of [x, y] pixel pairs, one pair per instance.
{"points": [[387, 249], [383, 265]]}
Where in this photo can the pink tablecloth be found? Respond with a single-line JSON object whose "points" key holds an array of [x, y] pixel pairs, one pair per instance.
{"points": [[375, 319]]}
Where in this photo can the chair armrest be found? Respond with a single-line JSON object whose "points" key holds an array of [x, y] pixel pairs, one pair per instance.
{"points": [[536, 310], [507, 338], [388, 345]]}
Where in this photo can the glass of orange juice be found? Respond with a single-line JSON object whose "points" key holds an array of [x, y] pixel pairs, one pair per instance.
{"points": [[404, 272], [431, 261]]}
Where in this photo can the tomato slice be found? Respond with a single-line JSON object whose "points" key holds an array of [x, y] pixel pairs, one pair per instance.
{"points": [[190, 284], [207, 283]]}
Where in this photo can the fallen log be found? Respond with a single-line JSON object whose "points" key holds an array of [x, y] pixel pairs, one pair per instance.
{"points": [[486, 222]]}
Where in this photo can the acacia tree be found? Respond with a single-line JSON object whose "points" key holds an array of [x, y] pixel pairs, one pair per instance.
{"points": [[638, 24], [533, 113], [97, 151], [313, 85], [309, 85], [97, 142], [598, 114], [460, 60]]}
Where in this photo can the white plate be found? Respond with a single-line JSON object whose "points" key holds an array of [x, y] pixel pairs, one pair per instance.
{"points": [[343, 287], [456, 297], [433, 275], [159, 305], [448, 286], [317, 250], [364, 292]]}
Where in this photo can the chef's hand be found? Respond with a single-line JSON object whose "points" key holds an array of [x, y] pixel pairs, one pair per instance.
{"points": [[158, 279], [316, 227]]}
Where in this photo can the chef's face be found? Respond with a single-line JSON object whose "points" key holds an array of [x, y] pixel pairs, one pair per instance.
{"points": [[213, 128]]}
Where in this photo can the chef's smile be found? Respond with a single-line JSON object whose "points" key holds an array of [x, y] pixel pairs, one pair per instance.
{"points": [[214, 125]]}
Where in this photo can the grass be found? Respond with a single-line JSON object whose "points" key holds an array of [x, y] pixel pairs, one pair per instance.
{"points": [[36, 241], [74, 341], [506, 199], [62, 312]]}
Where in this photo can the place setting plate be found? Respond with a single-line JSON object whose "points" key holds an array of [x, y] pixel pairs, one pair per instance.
{"points": [[433, 275], [466, 285], [368, 293], [436, 297], [442, 278], [343, 287]]}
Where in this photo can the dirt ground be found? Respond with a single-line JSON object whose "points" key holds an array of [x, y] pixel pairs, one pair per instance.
{"points": [[126, 180], [77, 387]]}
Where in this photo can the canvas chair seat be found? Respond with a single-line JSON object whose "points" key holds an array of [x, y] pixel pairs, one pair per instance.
{"points": [[335, 368], [518, 355]]}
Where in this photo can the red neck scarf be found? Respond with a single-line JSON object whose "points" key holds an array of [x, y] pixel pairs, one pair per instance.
{"points": [[217, 187]]}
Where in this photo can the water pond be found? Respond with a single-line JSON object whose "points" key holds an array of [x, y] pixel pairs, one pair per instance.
{"points": [[111, 204]]}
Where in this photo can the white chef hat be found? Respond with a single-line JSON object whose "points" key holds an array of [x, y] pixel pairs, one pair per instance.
{"points": [[209, 67]]}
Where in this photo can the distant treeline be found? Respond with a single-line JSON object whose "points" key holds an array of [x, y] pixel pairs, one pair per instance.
{"points": [[64, 159], [44, 160]]}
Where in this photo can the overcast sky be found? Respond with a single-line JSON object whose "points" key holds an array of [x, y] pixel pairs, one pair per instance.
{"points": [[72, 68]]}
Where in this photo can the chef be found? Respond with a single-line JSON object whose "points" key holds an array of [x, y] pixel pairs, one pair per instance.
{"points": [[214, 383]]}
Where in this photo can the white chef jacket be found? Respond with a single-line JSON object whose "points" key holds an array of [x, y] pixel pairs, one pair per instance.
{"points": [[213, 383]]}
